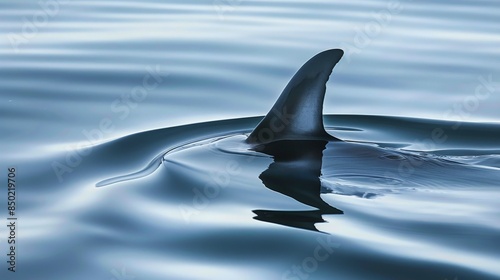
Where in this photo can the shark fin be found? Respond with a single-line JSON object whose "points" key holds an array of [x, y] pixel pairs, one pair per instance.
{"points": [[298, 112]]}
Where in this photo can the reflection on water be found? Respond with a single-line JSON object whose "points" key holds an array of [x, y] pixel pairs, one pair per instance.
{"points": [[295, 172]]}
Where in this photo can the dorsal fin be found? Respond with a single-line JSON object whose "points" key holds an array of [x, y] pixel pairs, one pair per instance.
{"points": [[298, 112]]}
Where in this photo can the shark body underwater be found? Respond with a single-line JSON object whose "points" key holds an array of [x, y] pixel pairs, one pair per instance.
{"points": [[307, 162]]}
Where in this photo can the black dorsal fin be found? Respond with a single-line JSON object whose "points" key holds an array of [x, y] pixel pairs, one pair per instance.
{"points": [[298, 112]]}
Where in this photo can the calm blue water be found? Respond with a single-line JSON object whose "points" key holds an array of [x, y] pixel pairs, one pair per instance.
{"points": [[92, 90]]}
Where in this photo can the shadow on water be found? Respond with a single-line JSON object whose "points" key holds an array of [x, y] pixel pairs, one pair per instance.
{"points": [[295, 173]]}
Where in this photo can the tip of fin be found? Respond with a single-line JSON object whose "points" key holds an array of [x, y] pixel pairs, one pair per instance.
{"points": [[298, 112]]}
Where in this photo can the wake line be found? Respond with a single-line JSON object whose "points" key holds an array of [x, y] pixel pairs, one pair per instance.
{"points": [[148, 170], [152, 166]]}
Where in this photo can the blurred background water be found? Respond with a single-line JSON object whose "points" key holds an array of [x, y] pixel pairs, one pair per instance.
{"points": [[76, 74]]}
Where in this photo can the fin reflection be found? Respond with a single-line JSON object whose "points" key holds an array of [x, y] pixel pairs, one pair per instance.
{"points": [[295, 173]]}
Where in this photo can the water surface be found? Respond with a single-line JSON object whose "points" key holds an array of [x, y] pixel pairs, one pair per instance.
{"points": [[401, 204]]}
